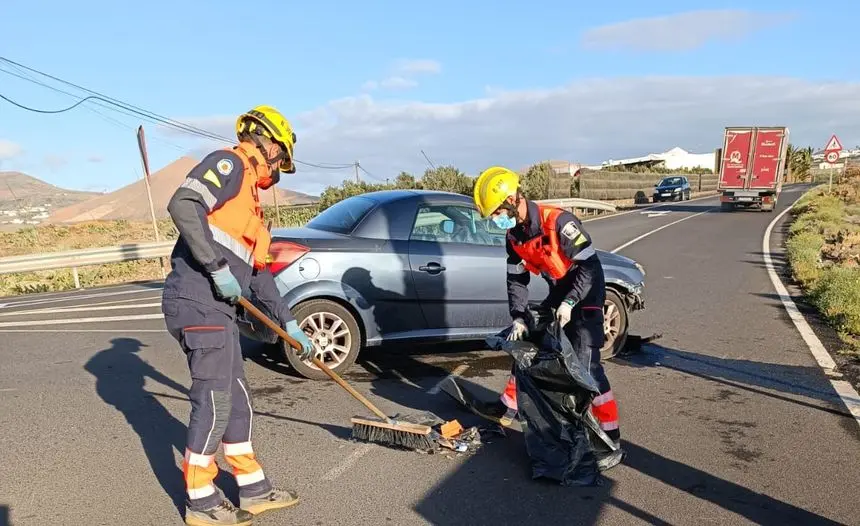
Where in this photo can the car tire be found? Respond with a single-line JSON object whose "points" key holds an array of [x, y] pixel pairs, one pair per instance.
{"points": [[615, 307], [341, 349]]}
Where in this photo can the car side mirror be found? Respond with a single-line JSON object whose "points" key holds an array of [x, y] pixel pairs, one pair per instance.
{"points": [[448, 226]]}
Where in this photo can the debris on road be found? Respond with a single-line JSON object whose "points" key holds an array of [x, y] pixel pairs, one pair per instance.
{"points": [[444, 435], [634, 343]]}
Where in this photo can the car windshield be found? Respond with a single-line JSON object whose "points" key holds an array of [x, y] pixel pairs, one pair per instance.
{"points": [[669, 181], [342, 216]]}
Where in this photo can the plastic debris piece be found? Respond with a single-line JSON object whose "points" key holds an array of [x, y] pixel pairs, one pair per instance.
{"points": [[451, 429]]}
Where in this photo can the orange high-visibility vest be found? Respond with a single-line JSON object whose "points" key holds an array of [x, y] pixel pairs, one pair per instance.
{"points": [[238, 224], [543, 253]]}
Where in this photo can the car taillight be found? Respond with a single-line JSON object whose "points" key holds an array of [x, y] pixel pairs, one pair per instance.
{"points": [[282, 254]]}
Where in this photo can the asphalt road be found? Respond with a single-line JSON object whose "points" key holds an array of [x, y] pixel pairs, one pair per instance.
{"points": [[727, 419]]}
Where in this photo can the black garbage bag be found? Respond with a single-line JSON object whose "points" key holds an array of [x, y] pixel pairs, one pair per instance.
{"points": [[554, 393]]}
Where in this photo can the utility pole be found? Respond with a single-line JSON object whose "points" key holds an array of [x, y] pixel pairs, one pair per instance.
{"points": [[356, 172]]}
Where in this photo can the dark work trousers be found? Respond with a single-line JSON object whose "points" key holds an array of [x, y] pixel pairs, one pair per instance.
{"points": [[221, 408], [585, 332]]}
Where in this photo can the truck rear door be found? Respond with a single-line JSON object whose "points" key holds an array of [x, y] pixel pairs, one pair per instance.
{"points": [[737, 146], [767, 161]]}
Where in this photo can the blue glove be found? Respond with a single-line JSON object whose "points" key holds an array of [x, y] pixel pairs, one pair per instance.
{"points": [[226, 284], [307, 350]]}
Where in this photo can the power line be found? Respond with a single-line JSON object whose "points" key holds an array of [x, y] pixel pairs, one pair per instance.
{"points": [[94, 95], [107, 118]]}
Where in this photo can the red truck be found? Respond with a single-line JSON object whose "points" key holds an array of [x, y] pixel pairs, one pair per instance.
{"points": [[752, 167]]}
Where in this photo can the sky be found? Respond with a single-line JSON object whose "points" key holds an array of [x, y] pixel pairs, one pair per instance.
{"points": [[473, 84]]}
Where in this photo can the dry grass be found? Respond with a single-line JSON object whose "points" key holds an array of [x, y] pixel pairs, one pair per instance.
{"points": [[55, 238], [824, 253]]}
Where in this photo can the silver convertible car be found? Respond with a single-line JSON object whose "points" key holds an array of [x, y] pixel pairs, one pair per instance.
{"points": [[410, 266]]}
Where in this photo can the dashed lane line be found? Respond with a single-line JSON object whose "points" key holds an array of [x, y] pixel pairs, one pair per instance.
{"points": [[27, 303], [69, 331], [86, 308], [846, 392], [347, 463], [646, 234], [66, 321], [645, 208]]}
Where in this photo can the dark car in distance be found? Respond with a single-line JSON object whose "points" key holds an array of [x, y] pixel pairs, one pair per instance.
{"points": [[674, 188]]}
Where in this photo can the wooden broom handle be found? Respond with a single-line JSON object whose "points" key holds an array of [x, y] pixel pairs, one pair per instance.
{"points": [[316, 361]]}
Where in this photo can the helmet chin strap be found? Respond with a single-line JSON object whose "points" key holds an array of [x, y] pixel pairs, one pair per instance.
{"points": [[273, 162], [514, 209]]}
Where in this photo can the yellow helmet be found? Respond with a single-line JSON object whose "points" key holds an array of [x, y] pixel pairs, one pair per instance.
{"points": [[269, 122], [492, 187]]}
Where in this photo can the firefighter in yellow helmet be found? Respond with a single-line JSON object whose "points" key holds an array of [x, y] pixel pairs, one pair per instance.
{"points": [[221, 255], [552, 243]]}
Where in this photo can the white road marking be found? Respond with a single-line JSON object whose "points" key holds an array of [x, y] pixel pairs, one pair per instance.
{"points": [[74, 297], [652, 207], [84, 308], [100, 319], [844, 389], [81, 330], [347, 463], [456, 372], [655, 213], [646, 234]]}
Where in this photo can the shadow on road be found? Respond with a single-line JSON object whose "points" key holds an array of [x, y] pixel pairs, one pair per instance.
{"points": [[120, 375], [747, 375]]}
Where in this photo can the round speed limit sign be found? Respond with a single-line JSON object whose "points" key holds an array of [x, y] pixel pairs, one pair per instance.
{"points": [[832, 157]]}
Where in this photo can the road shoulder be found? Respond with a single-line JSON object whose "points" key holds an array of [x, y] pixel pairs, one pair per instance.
{"points": [[845, 370]]}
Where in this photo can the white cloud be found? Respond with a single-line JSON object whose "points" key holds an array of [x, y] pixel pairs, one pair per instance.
{"points": [[406, 67], [402, 72], [9, 150], [589, 121], [682, 31], [95, 159], [391, 83]]}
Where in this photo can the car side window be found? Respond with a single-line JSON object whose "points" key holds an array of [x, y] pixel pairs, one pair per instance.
{"points": [[455, 224]]}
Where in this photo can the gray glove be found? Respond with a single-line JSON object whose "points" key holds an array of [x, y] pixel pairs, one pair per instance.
{"points": [[518, 330], [226, 284]]}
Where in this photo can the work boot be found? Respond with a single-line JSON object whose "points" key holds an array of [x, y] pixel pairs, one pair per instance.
{"points": [[223, 514], [610, 459], [269, 501], [496, 411]]}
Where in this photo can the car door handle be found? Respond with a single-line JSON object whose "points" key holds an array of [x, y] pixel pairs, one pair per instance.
{"points": [[432, 268]]}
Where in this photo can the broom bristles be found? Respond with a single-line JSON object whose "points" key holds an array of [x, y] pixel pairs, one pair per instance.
{"points": [[413, 438]]}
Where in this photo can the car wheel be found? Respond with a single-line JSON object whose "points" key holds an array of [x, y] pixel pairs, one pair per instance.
{"points": [[614, 325], [335, 334]]}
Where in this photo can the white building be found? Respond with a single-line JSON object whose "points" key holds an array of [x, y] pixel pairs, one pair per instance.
{"points": [[673, 159]]}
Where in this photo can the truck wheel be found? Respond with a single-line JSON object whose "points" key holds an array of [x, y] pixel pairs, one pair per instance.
{"points": [[335, 334]]}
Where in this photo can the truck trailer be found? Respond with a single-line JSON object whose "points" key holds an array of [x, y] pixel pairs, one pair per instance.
{"points": [[752, 167]]}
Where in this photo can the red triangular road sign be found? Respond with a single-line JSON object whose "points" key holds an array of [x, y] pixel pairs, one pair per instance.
{"points": [[833, 145]]}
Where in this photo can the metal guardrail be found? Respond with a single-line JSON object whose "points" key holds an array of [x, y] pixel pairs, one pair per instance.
{"points": [[134, 251], [84, 257]]}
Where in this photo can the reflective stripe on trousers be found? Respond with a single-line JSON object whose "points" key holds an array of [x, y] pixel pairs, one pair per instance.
{"points": [[221, 403]]}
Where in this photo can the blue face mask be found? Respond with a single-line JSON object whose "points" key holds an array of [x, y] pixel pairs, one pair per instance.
{"points": [[504, 221]]}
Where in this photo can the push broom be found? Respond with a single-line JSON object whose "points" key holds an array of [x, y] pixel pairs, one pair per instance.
{"points": [[383, 430]]}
